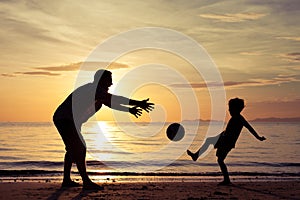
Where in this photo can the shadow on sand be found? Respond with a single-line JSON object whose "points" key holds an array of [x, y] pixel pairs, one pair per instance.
{"points": [[268, 193], [59, 192]]}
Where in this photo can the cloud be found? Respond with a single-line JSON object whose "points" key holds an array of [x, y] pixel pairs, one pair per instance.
{"points": [[290, 38], [69, 67], [93, 66], [118, 66], [214, 84], [23, 27], [237, 17], [280, 101], [229, 84], [251, 53], [38, 73], [286, 108], [86, 66], [291, 57], [7, 75]]}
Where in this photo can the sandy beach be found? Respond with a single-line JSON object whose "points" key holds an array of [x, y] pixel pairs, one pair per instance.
{"points": [[154, 190]]}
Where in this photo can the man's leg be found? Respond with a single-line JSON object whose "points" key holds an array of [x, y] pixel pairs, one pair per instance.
{"points": [[65, 128], [67, 182], [67, 167], [81, 164], [76, 151], [79, 152]]}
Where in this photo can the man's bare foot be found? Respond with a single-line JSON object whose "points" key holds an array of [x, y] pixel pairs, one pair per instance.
{"points": [[92, 186], [193, 155], [225, 183], [67, 184]]}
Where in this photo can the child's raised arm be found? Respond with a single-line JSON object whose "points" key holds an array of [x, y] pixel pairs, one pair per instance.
{"points": [[253, 132]]}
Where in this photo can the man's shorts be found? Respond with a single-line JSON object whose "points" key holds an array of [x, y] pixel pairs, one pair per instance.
{"points": [[72, 138]]}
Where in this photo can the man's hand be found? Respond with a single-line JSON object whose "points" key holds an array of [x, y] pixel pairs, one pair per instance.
{"points": [[135, 111], [262, 138], [145, 105]]}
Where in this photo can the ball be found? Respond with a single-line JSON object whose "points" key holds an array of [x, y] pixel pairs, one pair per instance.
{"points": [[175, 132]]}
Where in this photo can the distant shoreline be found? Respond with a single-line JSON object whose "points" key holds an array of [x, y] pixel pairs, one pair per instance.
{"points": [[269, 119], [274, 119]]}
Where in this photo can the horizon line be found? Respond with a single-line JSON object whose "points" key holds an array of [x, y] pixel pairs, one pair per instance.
{"points": [[266, 119]]}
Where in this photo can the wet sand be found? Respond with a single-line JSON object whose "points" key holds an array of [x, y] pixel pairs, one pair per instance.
{"points": [[154, 190]]}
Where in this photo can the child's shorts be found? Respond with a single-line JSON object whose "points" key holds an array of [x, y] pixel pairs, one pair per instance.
{"points": [[223, 151]]}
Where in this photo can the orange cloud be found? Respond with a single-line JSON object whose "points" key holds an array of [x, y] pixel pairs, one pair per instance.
{"points": [[279, 108], [69, 67], [214, 84], [48, 71], [254, 82], [38, 73], [7, 75], [251, 53], [87, 66], [290, 38], [291, 57], [237, 17]]}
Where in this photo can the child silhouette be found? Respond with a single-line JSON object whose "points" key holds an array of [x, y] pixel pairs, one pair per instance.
{"points": [[227, 139]]}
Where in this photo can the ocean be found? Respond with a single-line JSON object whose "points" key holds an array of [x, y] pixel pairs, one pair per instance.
{"points": [[131, 151]]}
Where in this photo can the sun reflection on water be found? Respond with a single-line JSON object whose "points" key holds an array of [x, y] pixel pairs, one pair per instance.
{"points": [[129, 144]]}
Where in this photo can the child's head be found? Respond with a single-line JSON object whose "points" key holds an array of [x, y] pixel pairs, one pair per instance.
{"points": [[236, 106]]}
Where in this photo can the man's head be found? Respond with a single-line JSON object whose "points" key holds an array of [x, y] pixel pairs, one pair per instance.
{"points": [[236, 106], [103, 78]]}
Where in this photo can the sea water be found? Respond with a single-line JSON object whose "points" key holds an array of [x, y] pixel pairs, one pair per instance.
{"points": [[116, 148]]}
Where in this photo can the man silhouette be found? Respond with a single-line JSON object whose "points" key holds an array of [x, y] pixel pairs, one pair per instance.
{"points": [[77, 108]]}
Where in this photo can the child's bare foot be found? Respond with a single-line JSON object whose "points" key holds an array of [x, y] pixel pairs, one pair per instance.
{"points": [[193, 155], [92, 186]]}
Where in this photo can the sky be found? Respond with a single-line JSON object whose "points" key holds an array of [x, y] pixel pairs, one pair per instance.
{"points": [[254, 44]]}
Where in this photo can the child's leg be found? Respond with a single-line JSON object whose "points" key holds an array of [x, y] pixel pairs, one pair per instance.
{"points": [[203, 148], [194, 156], [224, 170], [221, 154]]}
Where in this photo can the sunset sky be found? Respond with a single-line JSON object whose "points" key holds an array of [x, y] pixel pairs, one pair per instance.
{"points": [[255, 45]]}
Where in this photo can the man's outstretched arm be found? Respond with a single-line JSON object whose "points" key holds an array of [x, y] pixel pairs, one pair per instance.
{"points": [[144, 104], [118, 102]]}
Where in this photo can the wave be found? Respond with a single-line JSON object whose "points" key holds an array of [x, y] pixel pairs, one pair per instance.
{"points": [[178, 163], [240, 164], [37, 163], [28, 173], [280, 164], [26, 124]]}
